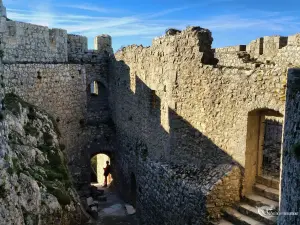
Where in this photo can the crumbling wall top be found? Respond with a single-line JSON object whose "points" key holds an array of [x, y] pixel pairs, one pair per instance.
{"points": [[2, 9]]}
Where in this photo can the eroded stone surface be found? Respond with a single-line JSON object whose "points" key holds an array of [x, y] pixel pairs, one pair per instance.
{"points": [[35, 183]]}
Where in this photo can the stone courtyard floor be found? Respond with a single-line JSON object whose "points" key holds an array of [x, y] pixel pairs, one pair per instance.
{"points": [[113, 211]]}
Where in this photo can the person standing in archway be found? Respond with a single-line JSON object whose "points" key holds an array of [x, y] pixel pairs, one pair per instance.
{"points": [[106, 173]]}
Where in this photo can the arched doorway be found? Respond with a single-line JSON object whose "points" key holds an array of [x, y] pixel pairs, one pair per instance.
{"points": [[263, 146], [98, 162], [133, 188]]}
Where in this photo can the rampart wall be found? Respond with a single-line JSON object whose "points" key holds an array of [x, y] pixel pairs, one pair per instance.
{"points": [[52, 70], [178, 112], [24, 42], [188, 107], [275, 50]]}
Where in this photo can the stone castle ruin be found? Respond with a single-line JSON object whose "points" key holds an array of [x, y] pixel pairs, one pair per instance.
{"points": [[195, 135]]}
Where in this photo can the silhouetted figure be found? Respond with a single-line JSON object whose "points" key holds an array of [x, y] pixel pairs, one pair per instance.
{"points": [[106, 173]]}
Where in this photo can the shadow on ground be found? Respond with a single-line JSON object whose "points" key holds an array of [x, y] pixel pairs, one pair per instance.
{"points": [[113, 211]]}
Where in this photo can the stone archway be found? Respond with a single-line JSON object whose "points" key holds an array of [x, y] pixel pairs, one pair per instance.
{"points": [[256, 155], [98, 162]]}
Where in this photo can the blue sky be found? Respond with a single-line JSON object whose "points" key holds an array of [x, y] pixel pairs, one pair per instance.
{"points": [[232, 22]]}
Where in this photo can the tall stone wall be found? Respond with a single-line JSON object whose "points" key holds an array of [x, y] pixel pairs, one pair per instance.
{"points": [[59, 90], [24, 42], [200, 94], [290, 181], [34, 65], [186, 111], [98, 120], [175, 193], [158, 103]]}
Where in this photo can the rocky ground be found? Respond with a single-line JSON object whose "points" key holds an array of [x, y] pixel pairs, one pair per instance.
{"points": [[35, 185], [114, 211]]}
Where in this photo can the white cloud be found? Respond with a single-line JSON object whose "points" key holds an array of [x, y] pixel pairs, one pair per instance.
{"points": [[87, 7], [148, 25]]}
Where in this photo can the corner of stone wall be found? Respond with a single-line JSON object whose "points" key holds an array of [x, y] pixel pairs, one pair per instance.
{"points": [[103, 43], [225, 193], [290, 162], [204, 39]]}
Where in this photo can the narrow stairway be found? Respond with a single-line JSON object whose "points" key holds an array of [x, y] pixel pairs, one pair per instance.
{"points": [[109, 208], [265, 193]]}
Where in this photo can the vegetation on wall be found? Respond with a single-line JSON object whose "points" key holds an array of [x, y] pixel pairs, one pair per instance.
{"points": [[52, 173]]}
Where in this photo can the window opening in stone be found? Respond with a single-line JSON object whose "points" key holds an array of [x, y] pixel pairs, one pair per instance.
{"points": [[94, 88], [100, 170]]}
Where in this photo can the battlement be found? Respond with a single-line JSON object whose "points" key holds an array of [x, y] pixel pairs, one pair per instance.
{"points": [[78, 51], [103, 43], [268, 45], [24, 42], [266, 49], [236, 48]]}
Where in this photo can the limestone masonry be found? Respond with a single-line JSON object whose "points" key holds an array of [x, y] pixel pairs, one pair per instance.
{"points": [[194, 134]]}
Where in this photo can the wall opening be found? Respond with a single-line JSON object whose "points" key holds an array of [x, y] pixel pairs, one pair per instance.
{"points": [[98, 99], [133, 188], [98, 163], [263, 146], [94, 88]]}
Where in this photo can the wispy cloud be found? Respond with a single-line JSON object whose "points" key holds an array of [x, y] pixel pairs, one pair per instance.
{"points": [[148, 25], [88, 7]]}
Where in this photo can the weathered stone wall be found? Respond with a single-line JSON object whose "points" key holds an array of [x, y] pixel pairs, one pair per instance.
{"points": [[290, 180], [34, 64], [61, 91], [175, 193], [24, 42], [77, 44], [185, 111], [98, 120], [201, 93], [269, 50], [103, 43]]}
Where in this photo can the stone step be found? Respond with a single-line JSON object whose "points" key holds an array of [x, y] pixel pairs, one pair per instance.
{"points": [[252, 212], [102, 198], [268, 181], [257, 200], [267, 192], [236, 217], [221, 222]]}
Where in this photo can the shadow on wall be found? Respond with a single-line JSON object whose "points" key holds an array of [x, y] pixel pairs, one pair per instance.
{"points": [[143, 113], [150, 132]]}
